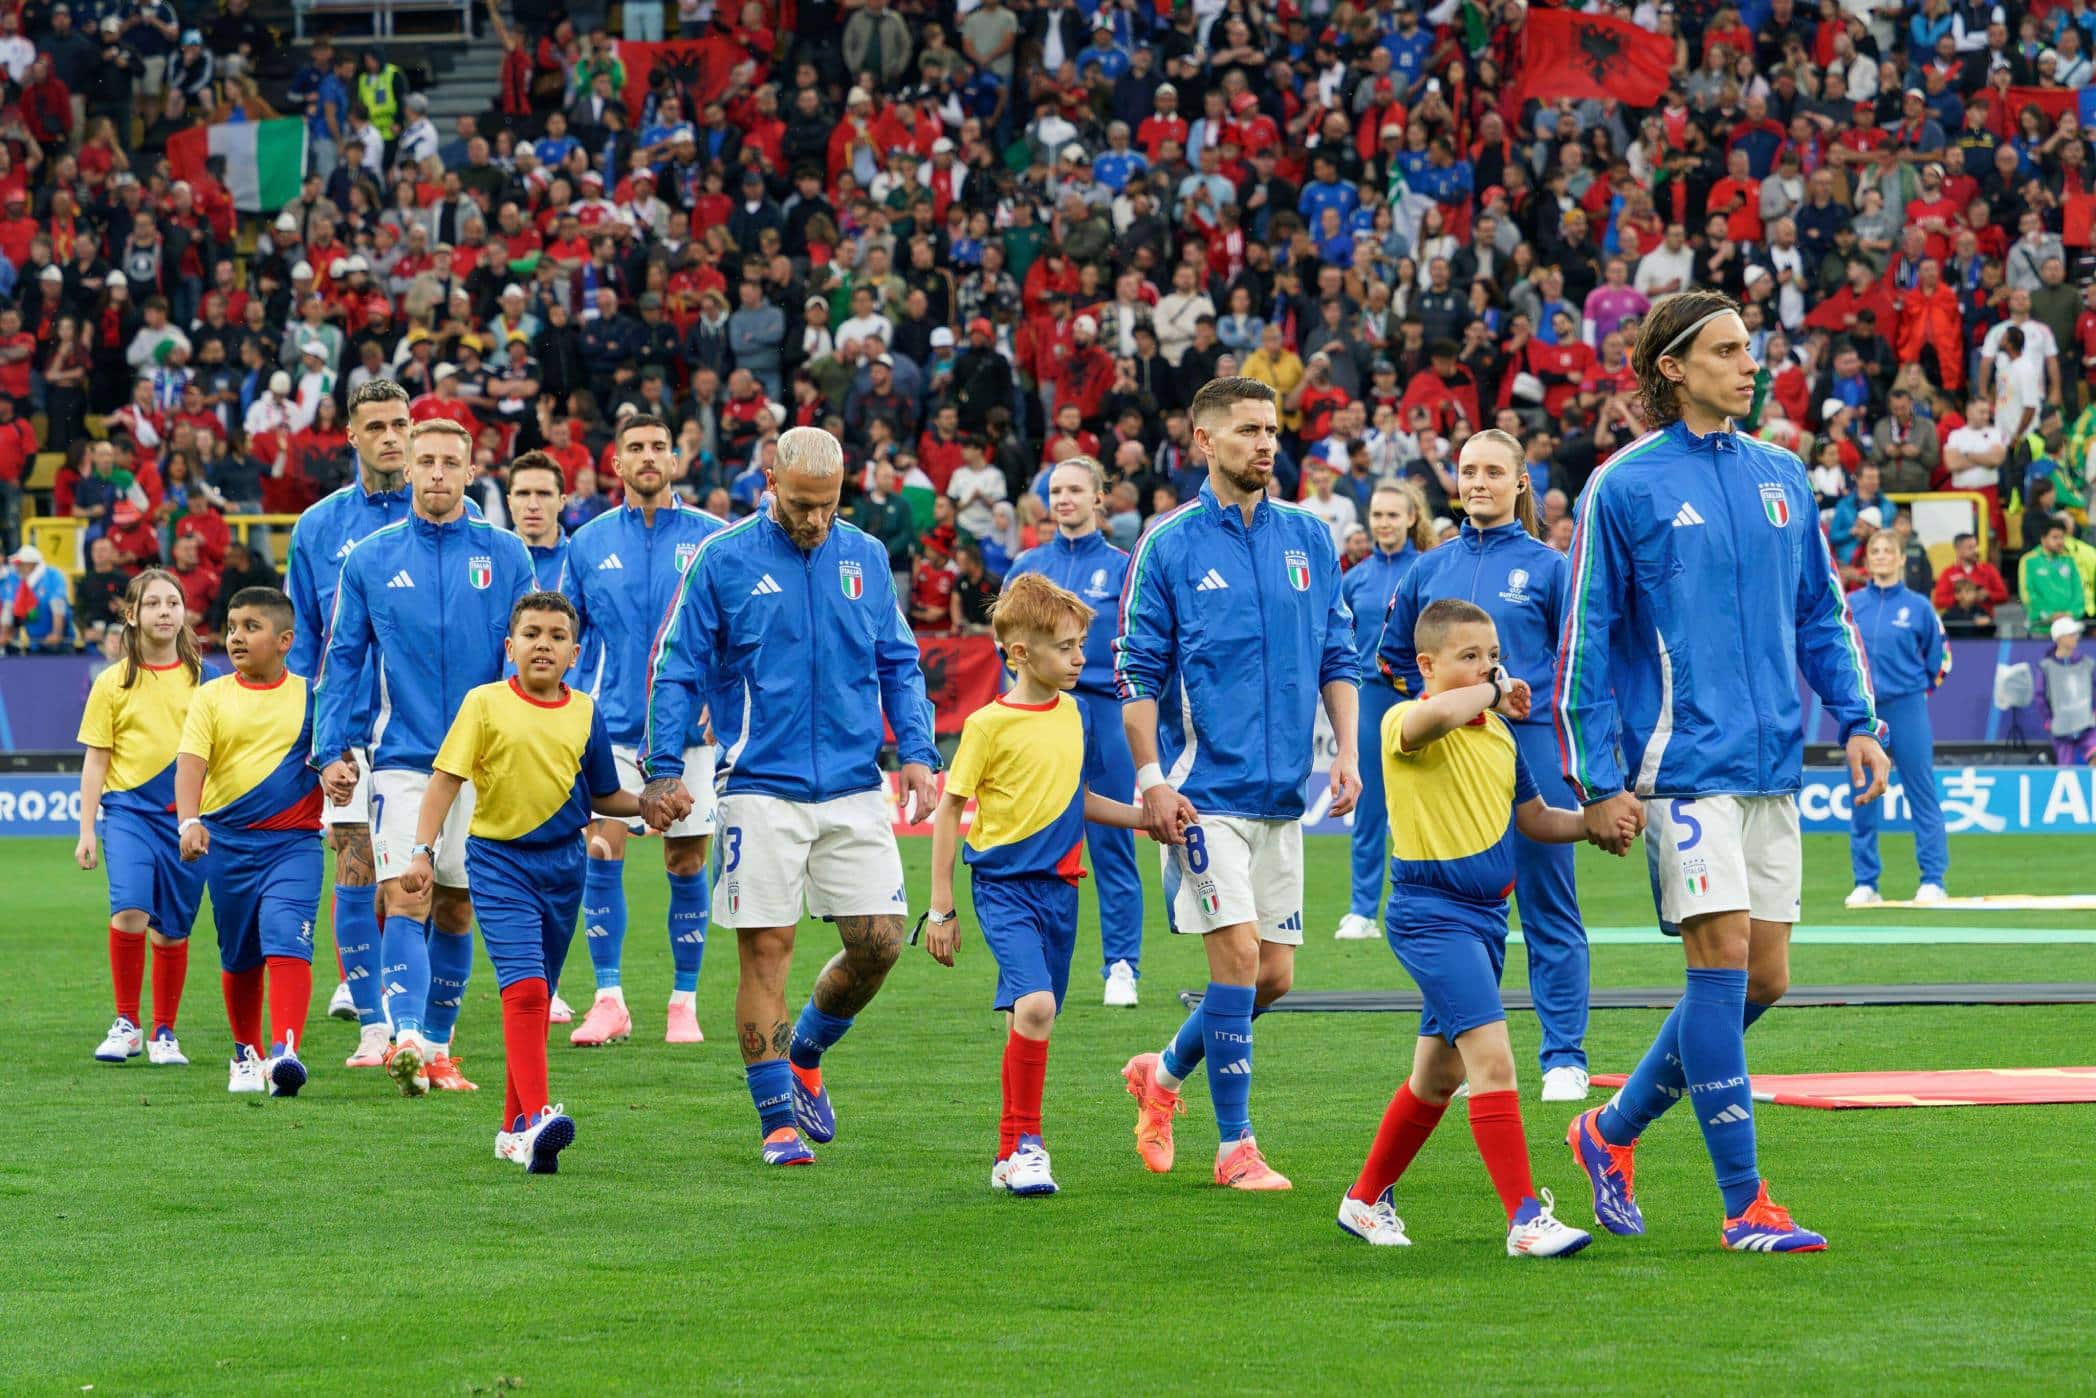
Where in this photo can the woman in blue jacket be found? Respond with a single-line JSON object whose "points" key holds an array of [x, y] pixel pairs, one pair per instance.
{"points": [[1903, 641], [1498, 563], [1398, 528]]}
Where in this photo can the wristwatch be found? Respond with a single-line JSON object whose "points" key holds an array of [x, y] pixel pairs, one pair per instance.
{"points": [[430, 850], [937, 920]]}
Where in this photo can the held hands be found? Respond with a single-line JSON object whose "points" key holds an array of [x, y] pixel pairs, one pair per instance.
{"points": [[1614, 823], [415, 882], [1166, 814], [664, 802], [1867, 756], [339, 780], [196, 843]]}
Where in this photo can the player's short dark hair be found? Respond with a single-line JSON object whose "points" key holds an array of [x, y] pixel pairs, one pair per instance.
{"points": [[1442, 617], [633, 420], [539, 461], [269, 601], [1961, 537], [1217, 395], [375, 391], [1669, 317], [545, 601]]}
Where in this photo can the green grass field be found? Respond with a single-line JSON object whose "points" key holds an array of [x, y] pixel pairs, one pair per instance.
{"points": [[161, 1237]]}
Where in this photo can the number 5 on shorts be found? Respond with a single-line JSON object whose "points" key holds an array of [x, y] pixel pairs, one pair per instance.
{"points": [[1677, 812]]}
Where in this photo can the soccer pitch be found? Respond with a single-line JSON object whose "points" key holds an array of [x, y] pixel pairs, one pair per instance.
{"points": [[161, 1236]]}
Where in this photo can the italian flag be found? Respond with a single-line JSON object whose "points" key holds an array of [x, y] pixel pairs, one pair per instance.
{"points": [[264, 159]]}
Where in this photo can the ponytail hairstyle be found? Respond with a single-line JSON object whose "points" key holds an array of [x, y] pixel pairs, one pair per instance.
{"points": [[1524, 491], [1676, 317], [186, 649]]}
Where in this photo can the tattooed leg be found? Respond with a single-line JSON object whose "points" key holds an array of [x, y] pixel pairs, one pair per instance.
{"points": [[853, 977], [353, 865], [763, 1029]]}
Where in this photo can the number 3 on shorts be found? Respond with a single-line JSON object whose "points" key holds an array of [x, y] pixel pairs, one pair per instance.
{"points": [[731, 848], [1196, 850], [1677, 811]]}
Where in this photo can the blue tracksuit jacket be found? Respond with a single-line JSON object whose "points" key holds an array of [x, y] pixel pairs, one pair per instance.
{"points": [[1368, 587], [320, 540], [622, 578], [1701, 586], [799, 654], [425, 607], [1235, 631], [1514, 576], [1903, 638]]}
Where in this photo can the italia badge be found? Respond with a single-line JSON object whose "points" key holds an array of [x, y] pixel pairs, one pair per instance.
{"points": [[1298, 570], [685, 554], [852, 579], [1775, 504], [480, 571]]}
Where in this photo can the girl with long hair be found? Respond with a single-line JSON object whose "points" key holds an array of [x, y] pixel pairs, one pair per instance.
{"points": [[131, 728]]}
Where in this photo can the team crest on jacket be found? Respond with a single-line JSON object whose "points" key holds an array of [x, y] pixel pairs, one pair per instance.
{"points": [[1298, 570], [1775, 504], [480, 571], [851, 578], [686, 552]]}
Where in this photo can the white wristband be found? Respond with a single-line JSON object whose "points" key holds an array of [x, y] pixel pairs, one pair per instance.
{"points": [[182, 827], [1147, 776]]}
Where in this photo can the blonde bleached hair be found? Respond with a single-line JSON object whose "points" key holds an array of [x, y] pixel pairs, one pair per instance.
{"points": [[1031, 607]]}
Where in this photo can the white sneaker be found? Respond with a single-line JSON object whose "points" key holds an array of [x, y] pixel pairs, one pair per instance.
{"points": [[558, 1011], [1861, 896], [246, 1075], [1931, 893], [1120, 986], [164, 1050], [1537, 1233], [372, 1043], [124, 1040], [1356, 928], [341, 1005], [1001, 1175], [1565, 1084], [539, 1145], [1375, 1223], [508, 1145], [1027, 1168]]}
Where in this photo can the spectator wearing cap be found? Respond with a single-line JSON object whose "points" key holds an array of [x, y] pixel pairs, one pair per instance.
{"points": [[37, 611], [192, 70], [879, 396], [419, 138], [982, 376]]}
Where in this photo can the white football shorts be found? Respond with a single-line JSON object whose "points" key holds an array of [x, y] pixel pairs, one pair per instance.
{"points": [[837, 858], [1233, 870], [698, 780], [1723, 854], [396, 807]]}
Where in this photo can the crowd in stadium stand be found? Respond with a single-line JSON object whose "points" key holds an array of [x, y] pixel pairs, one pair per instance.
{"points": [[974, 238]]}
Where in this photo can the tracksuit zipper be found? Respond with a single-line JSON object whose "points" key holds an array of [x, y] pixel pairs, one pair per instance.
{"points": [[815, 690], [443, 659], [1739, 583], [1266, 668]]}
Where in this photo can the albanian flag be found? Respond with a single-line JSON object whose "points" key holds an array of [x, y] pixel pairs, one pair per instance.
{"points": [[698, 68], [1593, 56]]}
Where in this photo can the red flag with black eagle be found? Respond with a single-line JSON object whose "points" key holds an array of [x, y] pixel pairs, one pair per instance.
{"points": [[1566, 54]]}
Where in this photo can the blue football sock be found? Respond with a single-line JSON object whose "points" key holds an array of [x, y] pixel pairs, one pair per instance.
{"points": [[404, 954], [604, 917], [1713, 1047], [450, 960], [356, 935], [1656, 1083], [813, 1034], [1189, 1046], [771, 1088], [1228, 1012], [690, 905]]}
